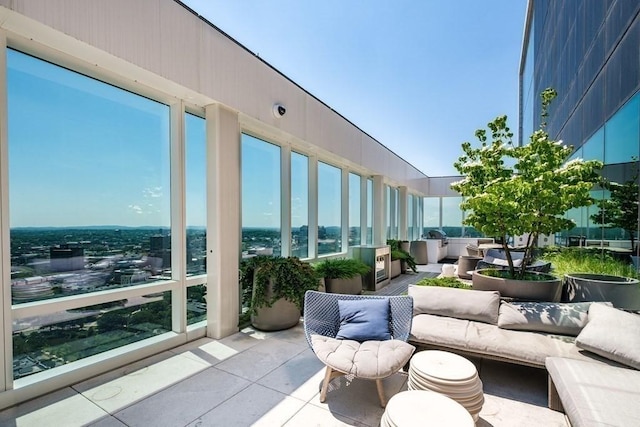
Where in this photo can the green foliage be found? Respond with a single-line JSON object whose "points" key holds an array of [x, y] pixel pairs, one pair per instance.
{"points": [[398, 253], [511, 191], [447, 282], [289, 277], [620, 210], [587, 260], [341, 268]]}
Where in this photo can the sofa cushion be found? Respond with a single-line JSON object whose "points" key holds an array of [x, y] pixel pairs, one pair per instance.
{"points": [[595, 393], [364, 319], [370, 359], [613, 334], [554, 318], [485, 340], [481, 306]]}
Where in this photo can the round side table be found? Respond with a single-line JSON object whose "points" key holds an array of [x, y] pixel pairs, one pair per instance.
{"points": [[424, 408]]}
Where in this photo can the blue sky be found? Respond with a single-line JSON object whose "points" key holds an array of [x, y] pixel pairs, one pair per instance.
{"points": [[420, 76]]}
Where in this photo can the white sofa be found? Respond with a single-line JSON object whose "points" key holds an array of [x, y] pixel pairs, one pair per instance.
{"points": [[585, 364]]}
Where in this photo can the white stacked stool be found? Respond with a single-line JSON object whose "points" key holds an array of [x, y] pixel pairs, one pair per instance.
{"points": [[424, 408], [448, 374]]}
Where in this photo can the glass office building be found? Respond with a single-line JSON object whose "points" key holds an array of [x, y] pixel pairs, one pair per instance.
{"points": [[588, 52]]}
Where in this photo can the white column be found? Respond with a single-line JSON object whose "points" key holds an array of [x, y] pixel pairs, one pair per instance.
{"points": [[223, 220]]}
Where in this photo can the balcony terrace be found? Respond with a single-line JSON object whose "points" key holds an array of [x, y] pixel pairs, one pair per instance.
{"points": [[269, 379]]}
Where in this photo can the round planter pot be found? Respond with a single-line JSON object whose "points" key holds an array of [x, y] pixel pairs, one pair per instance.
{"points": [[467, 263], [405, 245], [526, 290], [419, 251], [396, 268], [351, 286], [283, 314], [622, 292]]}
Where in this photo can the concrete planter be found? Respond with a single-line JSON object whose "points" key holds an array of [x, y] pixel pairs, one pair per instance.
{"points": [[351, 286], [622, 292], [467, 263], [526, 290], [283, 314], [396, 268]]}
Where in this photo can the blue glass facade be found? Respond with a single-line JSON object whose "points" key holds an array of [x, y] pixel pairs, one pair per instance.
{"points": [[588, 51]]}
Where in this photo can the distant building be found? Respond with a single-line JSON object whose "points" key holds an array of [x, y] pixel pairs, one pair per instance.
{"points": [[66, 258], [160, 251]]}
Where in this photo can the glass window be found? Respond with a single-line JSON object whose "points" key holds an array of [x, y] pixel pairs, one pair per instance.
{"points": [[431, 218], [452, 216], [622, 133], [45, 342], [369, 211], [388, 197], [396, 210], [89, 183], [260, 197], [354, 209], [196, 304], [593, 149], [196, 196], [410, 216], [329, 209], [299, 205]]}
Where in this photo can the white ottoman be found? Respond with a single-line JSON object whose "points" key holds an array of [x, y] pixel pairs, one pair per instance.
{"points": [[448, 374], [424, 408]]}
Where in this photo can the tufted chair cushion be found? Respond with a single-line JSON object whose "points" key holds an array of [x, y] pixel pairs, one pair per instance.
{"points": [[370, 359]]}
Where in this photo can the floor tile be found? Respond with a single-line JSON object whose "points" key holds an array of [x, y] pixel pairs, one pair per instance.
{"points": [[261, 359], [314, 416], [184, 402], [358, 399], [67, 407], [206, 349], [134, 386], [300, 377], [108, 421], [255, 405]]}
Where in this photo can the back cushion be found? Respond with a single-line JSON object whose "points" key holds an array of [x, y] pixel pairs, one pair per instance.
{"points": [[550, 317], [481, 306]]}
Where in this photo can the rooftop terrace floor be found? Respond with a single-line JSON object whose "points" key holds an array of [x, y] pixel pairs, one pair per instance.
{"points": [[267, 379]]}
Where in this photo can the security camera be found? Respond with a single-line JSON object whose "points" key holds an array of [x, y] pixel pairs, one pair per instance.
{"points": [[279, 110]]}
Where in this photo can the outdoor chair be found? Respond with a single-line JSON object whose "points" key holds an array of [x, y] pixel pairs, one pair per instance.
{"points": [[496, 258], [473, 250], [351, 335]]}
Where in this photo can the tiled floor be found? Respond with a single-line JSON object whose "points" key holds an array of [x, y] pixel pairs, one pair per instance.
{"points": [[257, 378]]}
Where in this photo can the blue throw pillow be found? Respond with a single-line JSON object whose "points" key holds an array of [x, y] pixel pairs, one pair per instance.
{"points": [[364, 320]]}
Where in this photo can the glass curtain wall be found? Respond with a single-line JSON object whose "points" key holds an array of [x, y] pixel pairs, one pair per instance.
{"points": [[431, 218], [354, 209], [89, 185], [410, 217], [329, 209], [299, 205], [196, 210], [261, 219]]}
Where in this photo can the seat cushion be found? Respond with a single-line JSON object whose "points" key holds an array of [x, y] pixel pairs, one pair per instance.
{"points": [[551, 317], [595, 393], [370, 359]]}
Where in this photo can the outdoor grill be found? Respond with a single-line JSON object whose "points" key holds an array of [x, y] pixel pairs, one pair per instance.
{"points": [[439, 235]]}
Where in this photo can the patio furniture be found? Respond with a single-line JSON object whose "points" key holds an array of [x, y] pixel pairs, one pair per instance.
{"points": [[448, 374], [496, 258], [351, 338], [424, 408], [473, 250]]}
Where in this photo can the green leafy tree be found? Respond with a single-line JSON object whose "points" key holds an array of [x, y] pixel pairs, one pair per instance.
{"points": [[620, 210], [512, 191]]}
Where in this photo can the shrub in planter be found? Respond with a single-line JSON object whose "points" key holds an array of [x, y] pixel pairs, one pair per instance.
{"points": [[447, 282], [398, 252], [342, 275], [274, 288]]}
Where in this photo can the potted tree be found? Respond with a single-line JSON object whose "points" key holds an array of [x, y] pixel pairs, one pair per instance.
{"points": [[514, 190], [342, 275], [274, 288]]}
